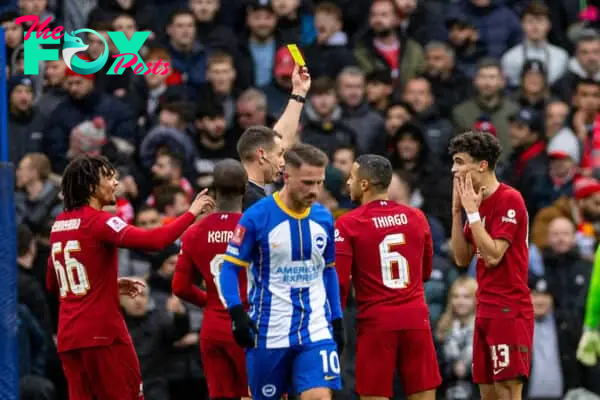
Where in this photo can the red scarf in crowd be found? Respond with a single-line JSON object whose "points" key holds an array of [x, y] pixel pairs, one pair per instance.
{"points": [[529, 154]]}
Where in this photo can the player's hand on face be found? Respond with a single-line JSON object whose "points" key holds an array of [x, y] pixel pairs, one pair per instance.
{"points": [[131, 287], [456, 203], [300, 81], [175, 305], [202, 204], [469, 198]]}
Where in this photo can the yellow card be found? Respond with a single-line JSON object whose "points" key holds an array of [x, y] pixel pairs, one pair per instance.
{"points": [[296, 55]]}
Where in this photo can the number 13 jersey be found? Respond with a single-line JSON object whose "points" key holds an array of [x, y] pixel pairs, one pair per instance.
{"points": [[387, 251]]}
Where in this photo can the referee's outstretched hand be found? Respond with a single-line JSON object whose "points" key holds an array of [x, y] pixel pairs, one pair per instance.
{"points": [[244, 329]]}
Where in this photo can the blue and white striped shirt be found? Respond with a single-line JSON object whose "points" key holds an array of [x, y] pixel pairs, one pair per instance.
{"points": [[290, 259]]}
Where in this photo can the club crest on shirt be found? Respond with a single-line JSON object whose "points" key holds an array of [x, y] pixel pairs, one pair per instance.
{"points": [[320, 242], [238, 235], [116, 224]]}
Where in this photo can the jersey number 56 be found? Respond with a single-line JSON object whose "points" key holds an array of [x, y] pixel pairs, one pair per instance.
{"points": [[72, 276]]}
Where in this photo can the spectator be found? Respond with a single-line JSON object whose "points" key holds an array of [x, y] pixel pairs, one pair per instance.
{"points": [[455, 332], [154, 329], [586, 100], [533, 91], [330, 52], [251, 111], [278, 91], [584, 65], [30, 291], [497, 24], [187, 53], [25, 122], [564, 269], [211, 142], [84, 103], [536, 24], [554, 368], [489, 101], [32, 358], [13, 33], [555, 116], [428, 177], [527, 167], [294, 24], [438, 131], [168, 169], [356, 111], [219, 87], [419, 21], [383, 47], [449, 85], [258, 47], [171, 201], [158, 87], [54, 91], [398, 113], [583, 210], [378, 91], [564, 154], [37, 199], [140, 262], [144, 15], [323, 124], [466, 42], [209, 31], [115, 85]]}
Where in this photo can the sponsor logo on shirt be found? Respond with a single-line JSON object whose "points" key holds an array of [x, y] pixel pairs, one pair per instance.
{"points": [[510, 216], [233, 250], [116, 224], [338, 237], [238, 235]]}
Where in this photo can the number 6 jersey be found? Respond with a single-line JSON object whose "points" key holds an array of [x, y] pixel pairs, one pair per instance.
{"points": [[387, 251]]}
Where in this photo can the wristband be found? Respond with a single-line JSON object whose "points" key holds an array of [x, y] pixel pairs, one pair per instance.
{"points": [[298, 98], [473, 217]]}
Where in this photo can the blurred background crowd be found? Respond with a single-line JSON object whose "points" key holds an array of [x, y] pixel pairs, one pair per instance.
{"points": [[394, 77]]}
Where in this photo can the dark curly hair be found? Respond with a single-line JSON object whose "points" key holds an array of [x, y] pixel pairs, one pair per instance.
{"points": [[481, 146], [82, 177]]}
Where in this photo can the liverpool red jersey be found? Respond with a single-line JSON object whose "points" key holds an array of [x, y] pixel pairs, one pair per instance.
{"points": [[387, 249], [503, 290], [83, 270], [202, 248]]}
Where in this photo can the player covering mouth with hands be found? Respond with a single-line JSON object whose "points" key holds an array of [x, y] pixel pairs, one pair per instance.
{"points": [[93, 342], [496, 233]]}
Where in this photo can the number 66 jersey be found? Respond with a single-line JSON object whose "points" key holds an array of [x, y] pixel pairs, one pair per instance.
{"points": [[387, 251]]}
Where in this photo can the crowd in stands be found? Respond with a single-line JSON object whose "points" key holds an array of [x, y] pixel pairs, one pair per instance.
{"points": [[397, 78]]}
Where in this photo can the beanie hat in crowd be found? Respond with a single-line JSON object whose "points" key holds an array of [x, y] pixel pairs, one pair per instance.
{"points": [[586, 187], [18, 80], [88, 137], [564, 145]]}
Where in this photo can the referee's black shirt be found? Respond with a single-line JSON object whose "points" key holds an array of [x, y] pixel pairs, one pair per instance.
{"points": [[254, 193]]}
